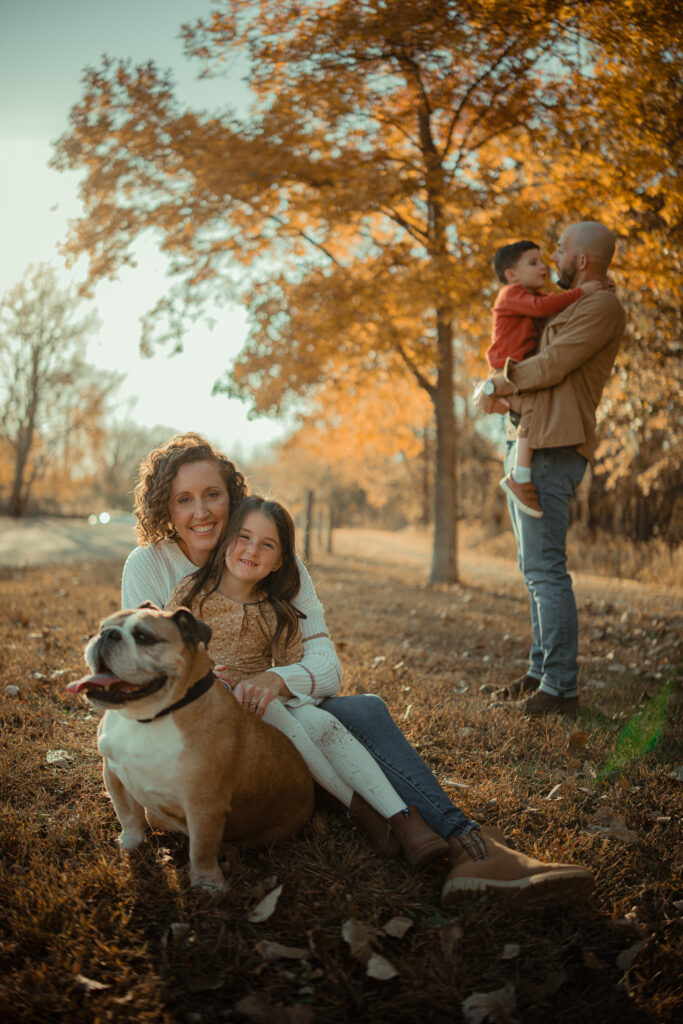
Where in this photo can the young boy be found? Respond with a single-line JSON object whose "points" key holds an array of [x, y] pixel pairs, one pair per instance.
{"points": [[518, 319]]}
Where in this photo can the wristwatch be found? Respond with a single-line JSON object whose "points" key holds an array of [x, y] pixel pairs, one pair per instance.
{"points": [[489, 387]]}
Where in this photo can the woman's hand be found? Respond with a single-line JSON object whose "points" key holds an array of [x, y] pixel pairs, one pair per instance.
{"points": [[256, 692]]}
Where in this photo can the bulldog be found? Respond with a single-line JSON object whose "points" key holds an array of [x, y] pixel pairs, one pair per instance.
{"points": [[179, 751]]}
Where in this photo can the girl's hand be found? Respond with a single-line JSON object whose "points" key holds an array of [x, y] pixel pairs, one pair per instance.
{"points": [[256, 692]]}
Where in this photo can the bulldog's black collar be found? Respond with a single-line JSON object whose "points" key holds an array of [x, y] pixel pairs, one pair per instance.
{"points": [[196, 690]]}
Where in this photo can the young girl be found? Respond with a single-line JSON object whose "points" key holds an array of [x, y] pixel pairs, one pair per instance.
{"points": [[244, 592]]}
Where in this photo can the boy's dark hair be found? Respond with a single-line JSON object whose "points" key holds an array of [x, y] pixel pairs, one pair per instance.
{"points": [[507, 256]]}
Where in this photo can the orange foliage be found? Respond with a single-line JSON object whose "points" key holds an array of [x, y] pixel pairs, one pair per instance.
{"points": [[389, 150]]}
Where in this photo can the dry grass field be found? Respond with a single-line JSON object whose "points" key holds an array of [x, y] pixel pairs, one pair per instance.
{"points": [[89, 935]]}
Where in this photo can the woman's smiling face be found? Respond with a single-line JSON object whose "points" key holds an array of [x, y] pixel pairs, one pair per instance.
{"points": [[199, 506]]}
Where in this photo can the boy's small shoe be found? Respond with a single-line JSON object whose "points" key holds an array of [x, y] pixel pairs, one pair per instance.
{"points": [[523, 496], [545, 703]]}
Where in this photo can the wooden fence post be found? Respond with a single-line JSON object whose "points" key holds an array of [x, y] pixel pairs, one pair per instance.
{"points": [[308, 527]]}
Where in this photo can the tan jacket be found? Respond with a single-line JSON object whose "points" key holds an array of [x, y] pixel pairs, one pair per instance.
{"points": [[574, 360]]}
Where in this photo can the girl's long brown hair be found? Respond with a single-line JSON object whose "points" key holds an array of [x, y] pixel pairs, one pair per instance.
{"points": [[279, 587]]}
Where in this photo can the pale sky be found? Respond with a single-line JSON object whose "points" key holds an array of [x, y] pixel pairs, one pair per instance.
{"points": [[44, 47]]}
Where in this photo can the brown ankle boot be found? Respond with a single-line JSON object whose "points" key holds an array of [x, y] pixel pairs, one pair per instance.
{"points": [[375, 826], [511, 875], [419, 843]]}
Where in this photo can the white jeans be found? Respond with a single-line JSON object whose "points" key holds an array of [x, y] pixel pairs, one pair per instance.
{"points": [[335, 758]]}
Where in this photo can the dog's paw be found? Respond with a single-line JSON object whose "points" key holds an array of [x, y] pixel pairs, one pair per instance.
{"points": [[214, 883], [130, 839]]}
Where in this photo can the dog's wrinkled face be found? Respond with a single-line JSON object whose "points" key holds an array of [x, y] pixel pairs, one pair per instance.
{"points": [[137, 653]]}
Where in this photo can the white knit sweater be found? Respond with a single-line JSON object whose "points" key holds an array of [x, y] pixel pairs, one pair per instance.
{"points": [[151, 573]]}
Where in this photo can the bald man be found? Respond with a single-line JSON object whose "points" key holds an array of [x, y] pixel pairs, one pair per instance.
{"points": [[574, 360]]}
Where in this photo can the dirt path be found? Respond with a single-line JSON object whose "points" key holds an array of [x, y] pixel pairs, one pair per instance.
{"points": [[47, 541]]}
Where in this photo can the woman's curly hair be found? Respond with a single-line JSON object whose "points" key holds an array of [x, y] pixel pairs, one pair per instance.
{"points": [[156, 474]]}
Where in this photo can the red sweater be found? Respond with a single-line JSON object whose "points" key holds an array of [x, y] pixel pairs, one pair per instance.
{"points": [[518, 317]]}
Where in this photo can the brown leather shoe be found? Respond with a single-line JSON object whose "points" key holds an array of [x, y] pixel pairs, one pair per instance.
{"points": [[378, 829], [523, 496], [419, 843], [544, 704], [515, 690], [510, 875]]}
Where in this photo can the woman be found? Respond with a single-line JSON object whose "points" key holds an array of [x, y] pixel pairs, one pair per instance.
{"points": [[244, 592], [182, 502]]}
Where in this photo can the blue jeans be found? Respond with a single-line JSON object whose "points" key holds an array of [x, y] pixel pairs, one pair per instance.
{"points": [[368, 718], [542, 557]]}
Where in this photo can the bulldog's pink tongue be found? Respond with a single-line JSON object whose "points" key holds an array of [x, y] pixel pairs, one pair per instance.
{"points": [[101, 679]]}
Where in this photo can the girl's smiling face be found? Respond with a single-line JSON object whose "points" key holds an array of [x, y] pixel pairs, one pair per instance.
{"points": [[199, 506], [257, 550]]}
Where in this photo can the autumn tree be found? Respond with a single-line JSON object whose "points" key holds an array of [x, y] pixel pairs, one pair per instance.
{"points": [[389, 149], [52, 402], [125, 445], [630, 141], [353, 192]]}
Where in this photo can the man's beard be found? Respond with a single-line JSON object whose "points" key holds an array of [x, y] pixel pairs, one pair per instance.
{"points": [[565, 278]]}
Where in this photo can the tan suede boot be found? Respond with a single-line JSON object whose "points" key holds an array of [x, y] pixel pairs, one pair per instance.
{"points": [[511, 875], [419, 843], [375, 826]]}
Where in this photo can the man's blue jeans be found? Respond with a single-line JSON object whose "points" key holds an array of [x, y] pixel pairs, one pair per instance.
{"points": [[542, 557], [368, 718]]}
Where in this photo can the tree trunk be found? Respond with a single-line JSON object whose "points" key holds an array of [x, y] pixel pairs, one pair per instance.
{"points": [[444, 553], [18, 496], [426, 513]]}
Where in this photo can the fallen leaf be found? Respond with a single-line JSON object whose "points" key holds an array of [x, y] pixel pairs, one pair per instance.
{"points": [[360, 938], [627, 956], [610, 823], [496, 1006], [275, 951], [397, 927], [550, 984], [577, 743], [89, 984], [59, 758], [449, 938], [123, 1000], [380, 968], [263, 910], [510, 951], [556, 792]]}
